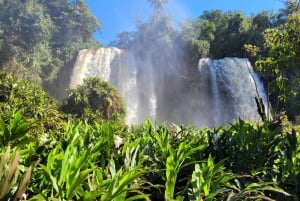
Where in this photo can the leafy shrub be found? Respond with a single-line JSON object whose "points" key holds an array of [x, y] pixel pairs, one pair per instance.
{"points": [[36, 105], [94, 100], [247, 146], [84, 163]]}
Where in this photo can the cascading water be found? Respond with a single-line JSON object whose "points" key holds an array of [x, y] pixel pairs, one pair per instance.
{"points": [[114, 66], [234, 88], [216, 93], [94, 63], [214, 89]]}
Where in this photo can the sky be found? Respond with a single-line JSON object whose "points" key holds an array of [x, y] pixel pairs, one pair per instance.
{"points": [[117, 16]]}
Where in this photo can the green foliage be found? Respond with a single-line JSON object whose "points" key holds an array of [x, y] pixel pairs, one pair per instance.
{"points": [[119, 183], [176, 162], [195, 44], [220, 34], [38, 38], [94, 100], [225, 33], [85, 164], [70, 175], [9, 177], [281, 66], [210, 181], [252, 50], [172, 154], [66, 169], [75, 26], [254, 46], [26, 35], [14, 134], [247, 146], [37, 107], [258, 154], [289, 159], [257, 191]]}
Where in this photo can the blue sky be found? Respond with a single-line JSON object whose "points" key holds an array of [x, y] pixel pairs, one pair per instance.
{"points": [[121, 15]]}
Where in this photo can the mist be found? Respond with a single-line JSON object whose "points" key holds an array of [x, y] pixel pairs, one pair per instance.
{"points": [[153, 70]]}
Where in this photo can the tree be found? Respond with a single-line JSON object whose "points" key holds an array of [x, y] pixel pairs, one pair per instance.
{"points": [[291, 7], [124, 40], [38, 38], [25, 39], [75, 26], [197, 35], [158, 8], [94, 100], [230, 34], [282, 65], [255, 47], [218, 34]]}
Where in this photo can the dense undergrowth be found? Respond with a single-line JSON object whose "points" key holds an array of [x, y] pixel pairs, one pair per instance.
{"points": [[48, 155], [109, 161]]}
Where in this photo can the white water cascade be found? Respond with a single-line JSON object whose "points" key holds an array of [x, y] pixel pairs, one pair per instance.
{"points": [[234, 87], [218, 92]]}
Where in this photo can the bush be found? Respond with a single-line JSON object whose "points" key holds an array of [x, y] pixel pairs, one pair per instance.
{"points": [[37, 107], [94, 100]]}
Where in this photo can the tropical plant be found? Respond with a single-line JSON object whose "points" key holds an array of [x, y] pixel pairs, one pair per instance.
{"points": [[248, 147], [176, 162], [281, 66], [171, 155], [37, 107], [10, 189], [257, 154], [288, 163], [257, 191], [120, 183], [94, 100], [85, 164], [14, 134], [210, 181]]}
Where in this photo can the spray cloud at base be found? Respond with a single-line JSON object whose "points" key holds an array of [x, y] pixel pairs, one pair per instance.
{"points": [[214, 93], [157, 78]]}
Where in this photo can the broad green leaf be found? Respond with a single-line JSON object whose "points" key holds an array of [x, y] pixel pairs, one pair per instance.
{"points": [[92, 195], [76, 181], [47, 172]]}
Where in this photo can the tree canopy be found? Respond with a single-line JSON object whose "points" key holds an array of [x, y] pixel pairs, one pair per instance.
{"points": [[281, 66], [38, 38]]}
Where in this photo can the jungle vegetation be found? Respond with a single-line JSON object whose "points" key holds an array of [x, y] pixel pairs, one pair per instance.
{"points": [[82, 149]]}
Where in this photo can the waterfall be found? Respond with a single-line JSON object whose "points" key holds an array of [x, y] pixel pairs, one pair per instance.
{"points": [[126, 82], [120, 68], [217, 104], [94, 63], [215, 93], [79, 72], [234, 87]]}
